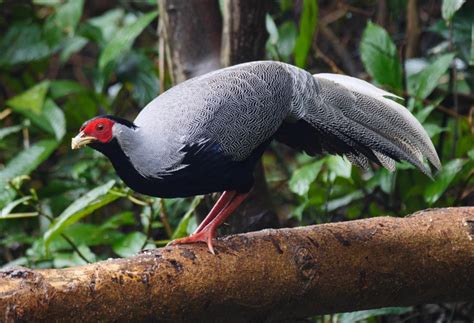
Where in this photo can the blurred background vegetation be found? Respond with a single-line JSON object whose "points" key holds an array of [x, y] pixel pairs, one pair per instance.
{"points": [[65, 61]]}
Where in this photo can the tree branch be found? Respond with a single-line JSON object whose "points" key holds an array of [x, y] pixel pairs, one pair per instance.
{"points": [[267, 275]]}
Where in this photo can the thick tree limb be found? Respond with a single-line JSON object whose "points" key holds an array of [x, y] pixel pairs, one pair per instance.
{"points": [[266, 275]]}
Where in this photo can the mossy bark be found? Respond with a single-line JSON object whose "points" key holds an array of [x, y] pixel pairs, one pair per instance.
{"points": [[262, 276]]}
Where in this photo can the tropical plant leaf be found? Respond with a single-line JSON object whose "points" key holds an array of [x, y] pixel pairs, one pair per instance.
{"points": [[55, 119], [24, 42], [123, 40], [131, 244], [182, 228], [362, 315], [81, 208], [380, 58], [445, 176], [308, 23], [304, 176], [449, 8], [23, 164], [31, 101], [422, 84], [10, 206], [9, 130]]}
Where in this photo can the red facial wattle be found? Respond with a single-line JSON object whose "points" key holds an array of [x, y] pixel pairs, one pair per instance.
{"points": [[100, 128]]}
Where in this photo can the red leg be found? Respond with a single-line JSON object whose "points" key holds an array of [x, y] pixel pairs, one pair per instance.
{"points": [[221, 203], [207, 233]]}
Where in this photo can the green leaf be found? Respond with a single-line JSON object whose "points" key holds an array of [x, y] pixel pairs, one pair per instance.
{"points": [[471, 51], [449, 8], [55, 119], [424, 113], [72, 45], [336, 203], [9, 130], [121, 219], [22, 164], [272, 29], [10, 206], [287, 39], [81, 208], [64, 21], [422, 84], [61, 88], [30, 101], [308, 22], [123, 40], [107, 24], [362, 315], [62, 260], [445, 176], [340, 166], [137, 70], [304, 176], [24, 42], [380, 58], [433, 129], [130, 244], [182, 228]]}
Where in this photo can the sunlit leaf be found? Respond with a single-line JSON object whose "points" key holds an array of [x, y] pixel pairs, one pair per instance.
{"points": [[81, 208], [272, 29], [443, 178], [449, 8], [340, 166], [9, 130], [308, 23], [10, 206], [30, 101], [123, 39], [287, 39], [55, 118], [422, 84], [380, 57], [107, 24], [304, 176]]}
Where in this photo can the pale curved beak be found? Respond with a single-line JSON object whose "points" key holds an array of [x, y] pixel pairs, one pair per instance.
{"points": [[81, 140]]}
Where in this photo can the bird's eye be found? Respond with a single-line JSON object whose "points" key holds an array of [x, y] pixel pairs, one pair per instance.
{"points": [[100, 126]]}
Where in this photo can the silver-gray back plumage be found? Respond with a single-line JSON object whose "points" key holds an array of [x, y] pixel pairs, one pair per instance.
{"points": [[244, 106]]}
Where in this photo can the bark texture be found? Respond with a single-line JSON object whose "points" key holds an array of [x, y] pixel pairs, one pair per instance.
{"points": [[192, 31], [243, 40], [262, 276], [199, 40]]}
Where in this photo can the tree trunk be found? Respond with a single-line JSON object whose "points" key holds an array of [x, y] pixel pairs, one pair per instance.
{"points": [[262, 276], [193, 31]]}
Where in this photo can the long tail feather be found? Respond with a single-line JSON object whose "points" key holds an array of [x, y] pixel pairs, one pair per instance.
{"points": [[361, 114]]}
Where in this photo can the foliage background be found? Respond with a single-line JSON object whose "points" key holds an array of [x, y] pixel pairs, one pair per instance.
{"points": [[65, 61]]}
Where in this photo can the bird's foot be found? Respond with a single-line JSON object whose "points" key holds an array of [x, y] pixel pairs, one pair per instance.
{"points": [[205, 236]]}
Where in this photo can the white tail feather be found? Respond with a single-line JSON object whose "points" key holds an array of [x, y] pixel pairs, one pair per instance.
{"points": [[360, 86]]}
